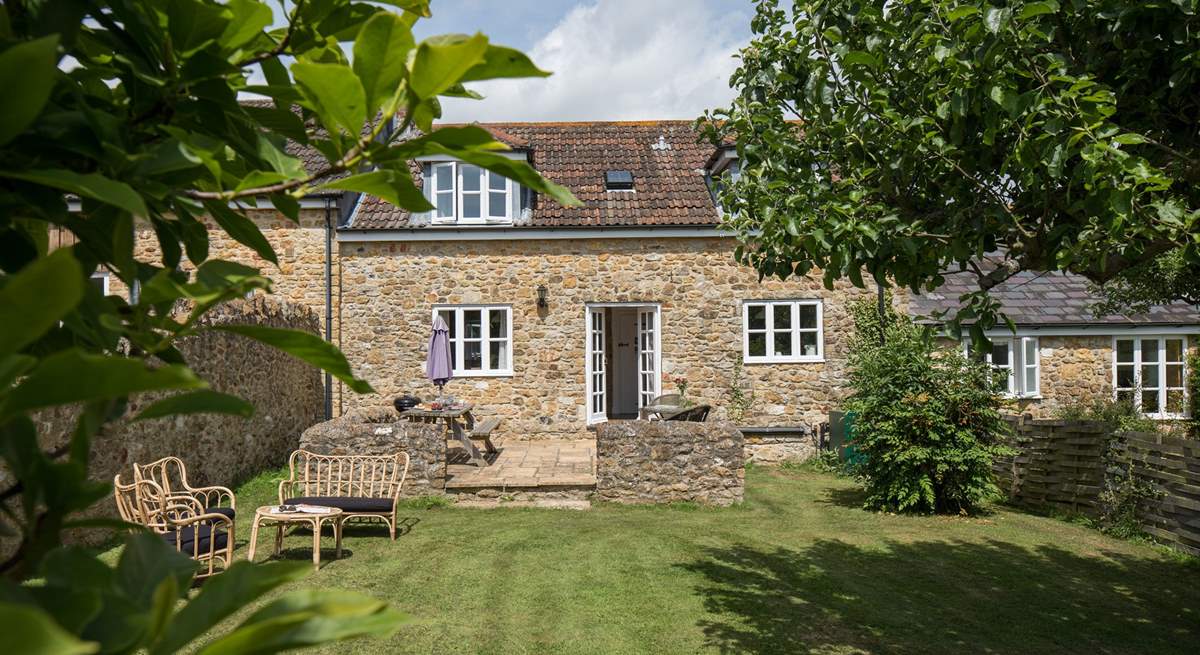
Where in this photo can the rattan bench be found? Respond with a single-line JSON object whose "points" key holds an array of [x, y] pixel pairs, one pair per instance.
{"points": [[362, 486]]}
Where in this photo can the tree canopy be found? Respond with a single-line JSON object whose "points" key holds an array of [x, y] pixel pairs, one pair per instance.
{"points": [[910, 138], [130, 112]]}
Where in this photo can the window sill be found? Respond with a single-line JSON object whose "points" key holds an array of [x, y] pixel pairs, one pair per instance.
{"points": [[483, 374], [792, 360]]}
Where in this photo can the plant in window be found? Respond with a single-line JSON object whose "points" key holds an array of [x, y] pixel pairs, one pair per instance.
{"points": [[928, 422]]}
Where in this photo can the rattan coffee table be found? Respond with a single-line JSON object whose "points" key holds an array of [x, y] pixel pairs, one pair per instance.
{"points": [[305, 514]]}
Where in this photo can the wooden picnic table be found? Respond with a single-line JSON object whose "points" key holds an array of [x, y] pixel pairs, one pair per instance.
{"points": [[461, 424]]}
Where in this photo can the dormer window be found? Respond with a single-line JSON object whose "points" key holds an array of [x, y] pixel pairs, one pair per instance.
{"points": [[465, 193]]}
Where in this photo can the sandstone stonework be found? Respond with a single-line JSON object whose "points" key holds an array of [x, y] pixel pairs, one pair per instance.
{"points": [[795, 446], [669, 461], [380, 431]]}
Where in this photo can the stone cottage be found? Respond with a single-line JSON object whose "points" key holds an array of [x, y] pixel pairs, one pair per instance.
{"points": [[565, 317]]}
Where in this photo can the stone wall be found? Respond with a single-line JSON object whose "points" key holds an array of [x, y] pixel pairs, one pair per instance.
{"points": [[775, 447], [1074, 369], [669, 461], [379, 431], [217, 448], [391, 289]]}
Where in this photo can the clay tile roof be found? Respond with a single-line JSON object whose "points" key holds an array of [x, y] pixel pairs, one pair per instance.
{"points": [[666, 159]]}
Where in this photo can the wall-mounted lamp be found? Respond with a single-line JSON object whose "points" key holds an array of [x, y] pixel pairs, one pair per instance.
{"points": [[541, 292]]}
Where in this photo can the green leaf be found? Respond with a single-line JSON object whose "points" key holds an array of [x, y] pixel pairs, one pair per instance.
{"points": [[994, 18], [307, 618], [32, 632], [499, 61], [442, 61], [204, 401], [1037, 9], [962, 11], [380, 53], [396, 187], [223, 595], [37, 298], [335, 93], [91, 185], [72, 376], [418, 7], [28, 71], [250, 17], [242, 229], [305, 347], [145, 562], [859, 58]]}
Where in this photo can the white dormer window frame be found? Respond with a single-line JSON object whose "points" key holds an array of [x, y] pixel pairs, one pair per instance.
{"points": [[465, 194]]}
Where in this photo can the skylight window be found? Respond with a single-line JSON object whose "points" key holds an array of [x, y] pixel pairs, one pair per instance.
{"points": [[618, 181]]}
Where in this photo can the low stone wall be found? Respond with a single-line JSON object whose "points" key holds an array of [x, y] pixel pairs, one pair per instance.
{"points": [[669, 461], [778, 445], [217, 448], [380, 431]]}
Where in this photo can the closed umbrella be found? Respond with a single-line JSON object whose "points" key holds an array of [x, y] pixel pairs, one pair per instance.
{"points": [[438, 368]]}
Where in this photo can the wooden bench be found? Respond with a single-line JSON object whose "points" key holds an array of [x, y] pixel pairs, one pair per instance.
{"points": [[362, 486], [483, 432]]}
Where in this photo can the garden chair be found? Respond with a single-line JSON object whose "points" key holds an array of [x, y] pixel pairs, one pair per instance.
{"points": [[362, 486], [696, 413], [170, 474], [181, 521], [652, 409]]}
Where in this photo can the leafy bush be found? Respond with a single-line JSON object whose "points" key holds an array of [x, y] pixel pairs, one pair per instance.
{"points": [[928, 419], [1119, 415], [1123, 492]]}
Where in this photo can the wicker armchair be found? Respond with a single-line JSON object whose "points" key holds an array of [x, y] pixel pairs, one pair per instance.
{"points": [[362, 486], [170, 474], [207, 537]]}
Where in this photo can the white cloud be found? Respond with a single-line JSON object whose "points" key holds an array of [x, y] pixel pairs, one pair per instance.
{"points": [[620, 60]]}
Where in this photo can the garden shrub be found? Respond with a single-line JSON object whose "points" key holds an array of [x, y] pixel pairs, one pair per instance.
{"points": [[1118, 415], [928, 419]]}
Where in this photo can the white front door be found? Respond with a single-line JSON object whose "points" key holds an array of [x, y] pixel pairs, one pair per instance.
{"points": [[597, 406], [648, 377]]}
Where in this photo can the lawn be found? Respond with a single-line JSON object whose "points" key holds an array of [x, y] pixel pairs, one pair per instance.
{"points": [[798, 568]]}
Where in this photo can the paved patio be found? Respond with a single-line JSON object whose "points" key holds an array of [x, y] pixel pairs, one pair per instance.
{"points": [[526, 465]]}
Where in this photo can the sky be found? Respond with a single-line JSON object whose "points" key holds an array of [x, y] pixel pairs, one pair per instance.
{"points": [[611, 59]]}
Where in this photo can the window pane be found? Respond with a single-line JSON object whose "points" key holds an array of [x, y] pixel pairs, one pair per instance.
{"points": [[1030, 379], [445, 205], [1150, 402], [1150, 376], [758, 317], [1149, 350], [447, 315], [472, 356], [808, 344], [470, 177], [1000, 354], [1174, 375], [1175, 401], [783, 344], [1125, 376], [758, 344], [1174, 350], [472, 324], [497, 204], [782, 316], [1125, 396], [1124, 350], [498, 323], [470, 205], [497, 182], [498, 355], [445, 178], [1030, 352], [808, 317], [98, 282]]}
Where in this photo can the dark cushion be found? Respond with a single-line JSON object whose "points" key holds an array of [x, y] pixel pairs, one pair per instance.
{"points": [[187, 538], [344, 503], [227, 512]]}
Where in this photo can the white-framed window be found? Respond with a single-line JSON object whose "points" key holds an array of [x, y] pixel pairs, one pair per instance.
{"points": [[463, 193], [100, 280], [1151, 372], [1017, 358], [480, 338], [777, 331]]}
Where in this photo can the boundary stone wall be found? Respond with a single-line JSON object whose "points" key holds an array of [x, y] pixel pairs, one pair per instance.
{"points": [[670, 461]]}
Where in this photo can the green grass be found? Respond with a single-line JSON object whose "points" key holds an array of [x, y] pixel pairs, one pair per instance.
{"points": [[797, 568]]}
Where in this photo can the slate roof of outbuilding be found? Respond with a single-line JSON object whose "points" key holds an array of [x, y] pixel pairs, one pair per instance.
{"points": [[1046, 299], [666, 158]]}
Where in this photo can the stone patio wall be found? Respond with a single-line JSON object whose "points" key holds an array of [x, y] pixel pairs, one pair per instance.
{"points": [[669, 461], [380, 431], [777, 447]]}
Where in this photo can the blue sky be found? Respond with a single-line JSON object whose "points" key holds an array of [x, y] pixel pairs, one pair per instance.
{"points": [[612, 59]]}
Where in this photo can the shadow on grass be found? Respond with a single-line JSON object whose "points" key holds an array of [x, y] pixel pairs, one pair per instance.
{"points": [[939, 597]]}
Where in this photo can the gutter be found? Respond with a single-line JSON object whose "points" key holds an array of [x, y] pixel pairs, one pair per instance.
{"points": [[494, 233]]}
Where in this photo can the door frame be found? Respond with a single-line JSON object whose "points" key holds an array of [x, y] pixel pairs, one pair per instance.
{"points": [[588, 307]]}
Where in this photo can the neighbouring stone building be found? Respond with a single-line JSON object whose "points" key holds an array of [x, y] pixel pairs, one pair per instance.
{"points": [[563, 318]]}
